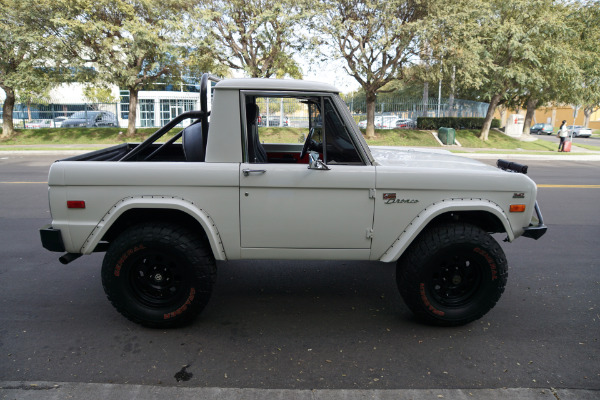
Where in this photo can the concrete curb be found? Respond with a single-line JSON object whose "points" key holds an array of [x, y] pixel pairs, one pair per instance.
{"points": [[101, 391]]}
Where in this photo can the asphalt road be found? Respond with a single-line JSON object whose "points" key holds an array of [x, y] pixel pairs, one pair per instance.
{"points": [[308, 325]]}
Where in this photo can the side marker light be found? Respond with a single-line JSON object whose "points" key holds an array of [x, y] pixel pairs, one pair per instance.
{"points": [[75, 204], [517, 208]]}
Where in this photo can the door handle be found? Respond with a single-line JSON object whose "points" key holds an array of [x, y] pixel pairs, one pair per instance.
{"points": [[253, 171]]}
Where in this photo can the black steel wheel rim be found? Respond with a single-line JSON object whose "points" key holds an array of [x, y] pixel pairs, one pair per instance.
{"points": [[456, 279], [157, 280]]}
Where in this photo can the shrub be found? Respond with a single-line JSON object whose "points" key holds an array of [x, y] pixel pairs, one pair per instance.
{"points": [[453, 122]]}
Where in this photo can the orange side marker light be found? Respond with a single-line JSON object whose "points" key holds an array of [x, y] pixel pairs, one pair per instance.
{"points": [[517, 208]]}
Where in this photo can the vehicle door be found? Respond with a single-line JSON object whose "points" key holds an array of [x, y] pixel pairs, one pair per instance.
{"points": [[287, 203]]}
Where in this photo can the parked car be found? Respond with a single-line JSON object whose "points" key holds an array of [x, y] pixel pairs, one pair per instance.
{"points": [[542, 129], [382, 122], [406, 123], [164, 214], [38, 123], [386, 122], [45, 123], [58, 121], [90, 119], [273, 120], [579, 131]]}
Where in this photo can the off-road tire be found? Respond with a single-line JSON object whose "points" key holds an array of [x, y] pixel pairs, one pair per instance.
{"points": [[159, 275], [452, 274]]}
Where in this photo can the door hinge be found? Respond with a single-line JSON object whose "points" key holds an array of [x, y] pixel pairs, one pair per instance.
{"points": [[369, 233], [372, 193]]}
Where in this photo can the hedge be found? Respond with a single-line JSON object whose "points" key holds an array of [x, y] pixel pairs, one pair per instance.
{"points": [[454, 122]]}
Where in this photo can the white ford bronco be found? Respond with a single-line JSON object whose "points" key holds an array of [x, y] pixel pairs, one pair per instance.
{"points": [[219, 189]]}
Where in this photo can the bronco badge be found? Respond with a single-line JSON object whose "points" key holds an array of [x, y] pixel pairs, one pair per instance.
{"points": [[391, 198]]}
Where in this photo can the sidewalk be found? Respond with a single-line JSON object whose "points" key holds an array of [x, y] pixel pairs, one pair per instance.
{"points": [[93, 391]]}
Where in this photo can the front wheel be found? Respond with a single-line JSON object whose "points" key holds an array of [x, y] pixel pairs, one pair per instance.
{"points": [[452, 275], [158, 275]]}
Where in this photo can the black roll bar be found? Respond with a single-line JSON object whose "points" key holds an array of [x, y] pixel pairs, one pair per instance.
{"points": [[202, 115]]}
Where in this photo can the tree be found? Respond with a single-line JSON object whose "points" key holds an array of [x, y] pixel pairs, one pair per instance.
{"points": [[258, 37], [506, 51], [525, 45], [586, 22], [24, 44], [130, 43], [376, 39]]}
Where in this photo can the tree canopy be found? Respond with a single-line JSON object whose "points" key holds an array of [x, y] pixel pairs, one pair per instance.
{"points": [[24, 48], [258, 37], [521, 53], [377, 40]]}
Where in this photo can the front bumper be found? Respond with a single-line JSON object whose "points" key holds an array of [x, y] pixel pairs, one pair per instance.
{"points": [[536, 231], [51, 238]]}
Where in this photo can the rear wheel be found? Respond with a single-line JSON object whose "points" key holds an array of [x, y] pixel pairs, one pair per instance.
{"points": [[158, 275], [452, 275]]}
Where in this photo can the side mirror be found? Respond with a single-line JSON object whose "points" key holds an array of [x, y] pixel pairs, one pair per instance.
{"points": [[315, 163]]}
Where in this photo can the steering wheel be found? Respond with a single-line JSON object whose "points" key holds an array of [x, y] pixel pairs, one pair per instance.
{"points": [[307, 143]]}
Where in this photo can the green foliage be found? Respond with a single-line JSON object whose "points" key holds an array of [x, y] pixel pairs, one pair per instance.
{"points": [[256, 36], [453, 122], [95, 94], [402, 137], [375, 39], [78, 136], [26, 50]]}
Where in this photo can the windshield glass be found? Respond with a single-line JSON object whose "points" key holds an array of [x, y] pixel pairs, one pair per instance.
{"points": [[82, 115]]}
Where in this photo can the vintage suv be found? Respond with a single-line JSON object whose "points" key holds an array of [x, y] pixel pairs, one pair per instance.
{"points": [[164, 212]]}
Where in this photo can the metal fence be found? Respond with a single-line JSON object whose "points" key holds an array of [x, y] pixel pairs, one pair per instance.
{"points": [[31, 116], [156, 113], [411, 109]]}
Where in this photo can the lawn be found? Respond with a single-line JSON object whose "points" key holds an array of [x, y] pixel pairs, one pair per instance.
{"points": [[402, 137], [100, 137], [469, 138]]}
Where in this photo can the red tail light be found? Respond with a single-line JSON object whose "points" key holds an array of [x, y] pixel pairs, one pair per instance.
{"points": [[75, 204]]}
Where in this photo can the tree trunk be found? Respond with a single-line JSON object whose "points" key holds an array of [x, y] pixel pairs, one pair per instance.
{"points": [[425, 99], [371, 114], [133, 100], [587, 113], [487, 123], [8, 129], [503, 112], [531, 107], [452, 90]]}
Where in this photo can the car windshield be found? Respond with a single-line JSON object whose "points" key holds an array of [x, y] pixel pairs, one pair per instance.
{"points": [[537, 126], [83, 114]]}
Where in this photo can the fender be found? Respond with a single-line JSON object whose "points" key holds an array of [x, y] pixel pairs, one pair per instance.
{"points": [[421, 221], [157, 201]]}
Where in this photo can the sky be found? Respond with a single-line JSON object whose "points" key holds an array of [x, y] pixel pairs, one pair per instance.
{"points": [[332, 73]]}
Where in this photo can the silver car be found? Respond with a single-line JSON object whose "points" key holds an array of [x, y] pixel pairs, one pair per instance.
{"points": [[91, 119], [579, 131]]}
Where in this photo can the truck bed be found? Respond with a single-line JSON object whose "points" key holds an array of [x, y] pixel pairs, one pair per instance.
{"points": [[173, 152]]}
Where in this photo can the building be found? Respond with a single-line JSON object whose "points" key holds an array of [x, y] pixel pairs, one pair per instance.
{"points": [[156, 107]]}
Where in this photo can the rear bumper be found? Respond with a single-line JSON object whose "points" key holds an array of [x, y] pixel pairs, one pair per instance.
{"points": [[51, 238], [536, 231]]}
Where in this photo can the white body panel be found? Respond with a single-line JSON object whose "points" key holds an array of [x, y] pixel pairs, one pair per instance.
{"points": [[291, 206], [286, 211]]}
